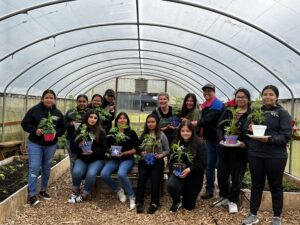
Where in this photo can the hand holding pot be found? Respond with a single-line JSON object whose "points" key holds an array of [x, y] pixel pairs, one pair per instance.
{"points": [[159, 156], [185, 172], [261, 139], [39, 132], [119, 155]]}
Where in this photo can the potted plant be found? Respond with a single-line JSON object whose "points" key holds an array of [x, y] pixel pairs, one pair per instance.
{"points": [[295, 129], [179, 152], [150, 145], [175, 120], [76, 117], [118, 138], [103, 113], [48, 127], [257, 118], [87, 139], [231, 128]]}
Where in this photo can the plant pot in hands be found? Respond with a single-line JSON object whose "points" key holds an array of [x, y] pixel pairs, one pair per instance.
{"points": [[76, 125], [259, 130], [116, 150], [87, 147], [231, 139], [178, 168], [150, 158], [49, 135], [175, 121]]}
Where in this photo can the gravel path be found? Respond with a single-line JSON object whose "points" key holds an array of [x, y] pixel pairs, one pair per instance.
{"points": [[106, 209]]}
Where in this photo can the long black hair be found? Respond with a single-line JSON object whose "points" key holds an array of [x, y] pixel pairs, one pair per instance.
{"points": [[147, 130], [95, 128], [184, 109]]}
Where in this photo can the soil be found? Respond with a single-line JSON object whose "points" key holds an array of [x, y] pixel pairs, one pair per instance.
{"points": [[106, 209], [14, 176]]}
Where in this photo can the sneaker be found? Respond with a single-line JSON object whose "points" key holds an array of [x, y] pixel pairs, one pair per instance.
{"points": [[73, 195], [121, 195], [207, 195], [33, 201], [77, 199], [175, 207], [232, 207], [276, 220], [139, 208], [152, 208], [44, 195], [251, 219], [221, 201], [131, 203]]}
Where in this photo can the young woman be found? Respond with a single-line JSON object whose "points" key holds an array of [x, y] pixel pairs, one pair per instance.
{"points": [[164, 113], [189, 183], [155, 170], [232, 161], [88, 165], [108, 103], [73, 118], [190, 111], [41, 152], [96, 101], [267, 155], [123, 162]]}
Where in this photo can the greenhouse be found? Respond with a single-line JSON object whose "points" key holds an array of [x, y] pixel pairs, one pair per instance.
{"points": [[137, 52]]}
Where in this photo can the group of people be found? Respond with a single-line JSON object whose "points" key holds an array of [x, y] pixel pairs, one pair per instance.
{"points": [[199, 136]]}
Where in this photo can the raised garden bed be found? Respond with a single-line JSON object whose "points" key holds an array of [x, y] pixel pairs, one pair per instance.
{"points": [[18, 197]]}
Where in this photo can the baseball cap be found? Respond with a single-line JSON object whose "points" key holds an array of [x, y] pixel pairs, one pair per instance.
{"points": [[210, 86], [110, 92]]}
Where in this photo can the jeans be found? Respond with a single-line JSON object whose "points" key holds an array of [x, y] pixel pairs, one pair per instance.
{"points": [[72, 155], [211, 166], [122, 167], [273, 169], [89, 171], [39, 157]]}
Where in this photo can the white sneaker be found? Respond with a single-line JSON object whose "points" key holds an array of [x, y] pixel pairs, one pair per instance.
{"points": [[221, 201], [77, 199], [232, 207], [132, 203], [121, 195]]}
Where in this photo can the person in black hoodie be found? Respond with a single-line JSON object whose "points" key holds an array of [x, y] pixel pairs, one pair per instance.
{"points": [[73, 119], [88, 164], [267, 155], [190, 182], [40, 151], [96, 101], [108, 103], [232, 161], [122, 162]]}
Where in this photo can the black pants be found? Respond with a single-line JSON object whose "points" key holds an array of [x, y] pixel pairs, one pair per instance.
{"points": [[231, 166], [189, 187], [273, 169], [155, 172]]}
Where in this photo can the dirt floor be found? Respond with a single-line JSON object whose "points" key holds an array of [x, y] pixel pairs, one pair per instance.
{"points": [[106, 209]]}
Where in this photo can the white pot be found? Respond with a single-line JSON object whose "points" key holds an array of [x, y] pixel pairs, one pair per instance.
{"points": [[76, 125], [259, 130]]}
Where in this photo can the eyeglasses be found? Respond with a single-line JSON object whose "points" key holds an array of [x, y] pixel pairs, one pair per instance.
{"points": [[241, 98]]}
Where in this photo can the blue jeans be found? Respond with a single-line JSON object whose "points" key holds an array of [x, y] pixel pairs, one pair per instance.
{"points": [[122, 167], [88, 172], [72, 155], [39, 157], [211, 166]]}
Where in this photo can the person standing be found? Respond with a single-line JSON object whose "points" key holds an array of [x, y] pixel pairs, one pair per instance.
{"points": [[267, 156], [212, 109], [40, 151], [108, 103]]}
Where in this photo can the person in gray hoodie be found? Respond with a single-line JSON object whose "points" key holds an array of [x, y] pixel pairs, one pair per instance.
{"points": [[151, 167], [267, 155]]}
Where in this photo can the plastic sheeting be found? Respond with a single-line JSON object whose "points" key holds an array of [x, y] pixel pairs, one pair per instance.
{"points": [[71, 46]]}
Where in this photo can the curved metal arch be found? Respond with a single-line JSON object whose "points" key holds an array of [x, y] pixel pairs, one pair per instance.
{"points": [[161, 26], [132, 64], [134, 39], [37, 6], [94, 63], [128, 50], [115, 76], [264, 31]]}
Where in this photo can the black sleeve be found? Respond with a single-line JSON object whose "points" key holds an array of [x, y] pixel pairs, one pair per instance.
{"points": [[210, 118], [135, 140], [285, 130], [61, 126], [101, 147], [28, 123], [221, 125], [200, 159]]}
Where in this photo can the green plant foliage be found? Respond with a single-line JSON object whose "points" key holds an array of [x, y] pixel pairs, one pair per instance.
{"points": [[176, 107], [2, 176], [150, 143], [47, 125], [178, 152], [103, 113], [117, 134], [232, 127], [62, 141], [84, 134], [76, 114], [257, 115]]}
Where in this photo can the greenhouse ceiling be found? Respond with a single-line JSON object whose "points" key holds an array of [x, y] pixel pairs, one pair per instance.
{"points": [[73, 45]]}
